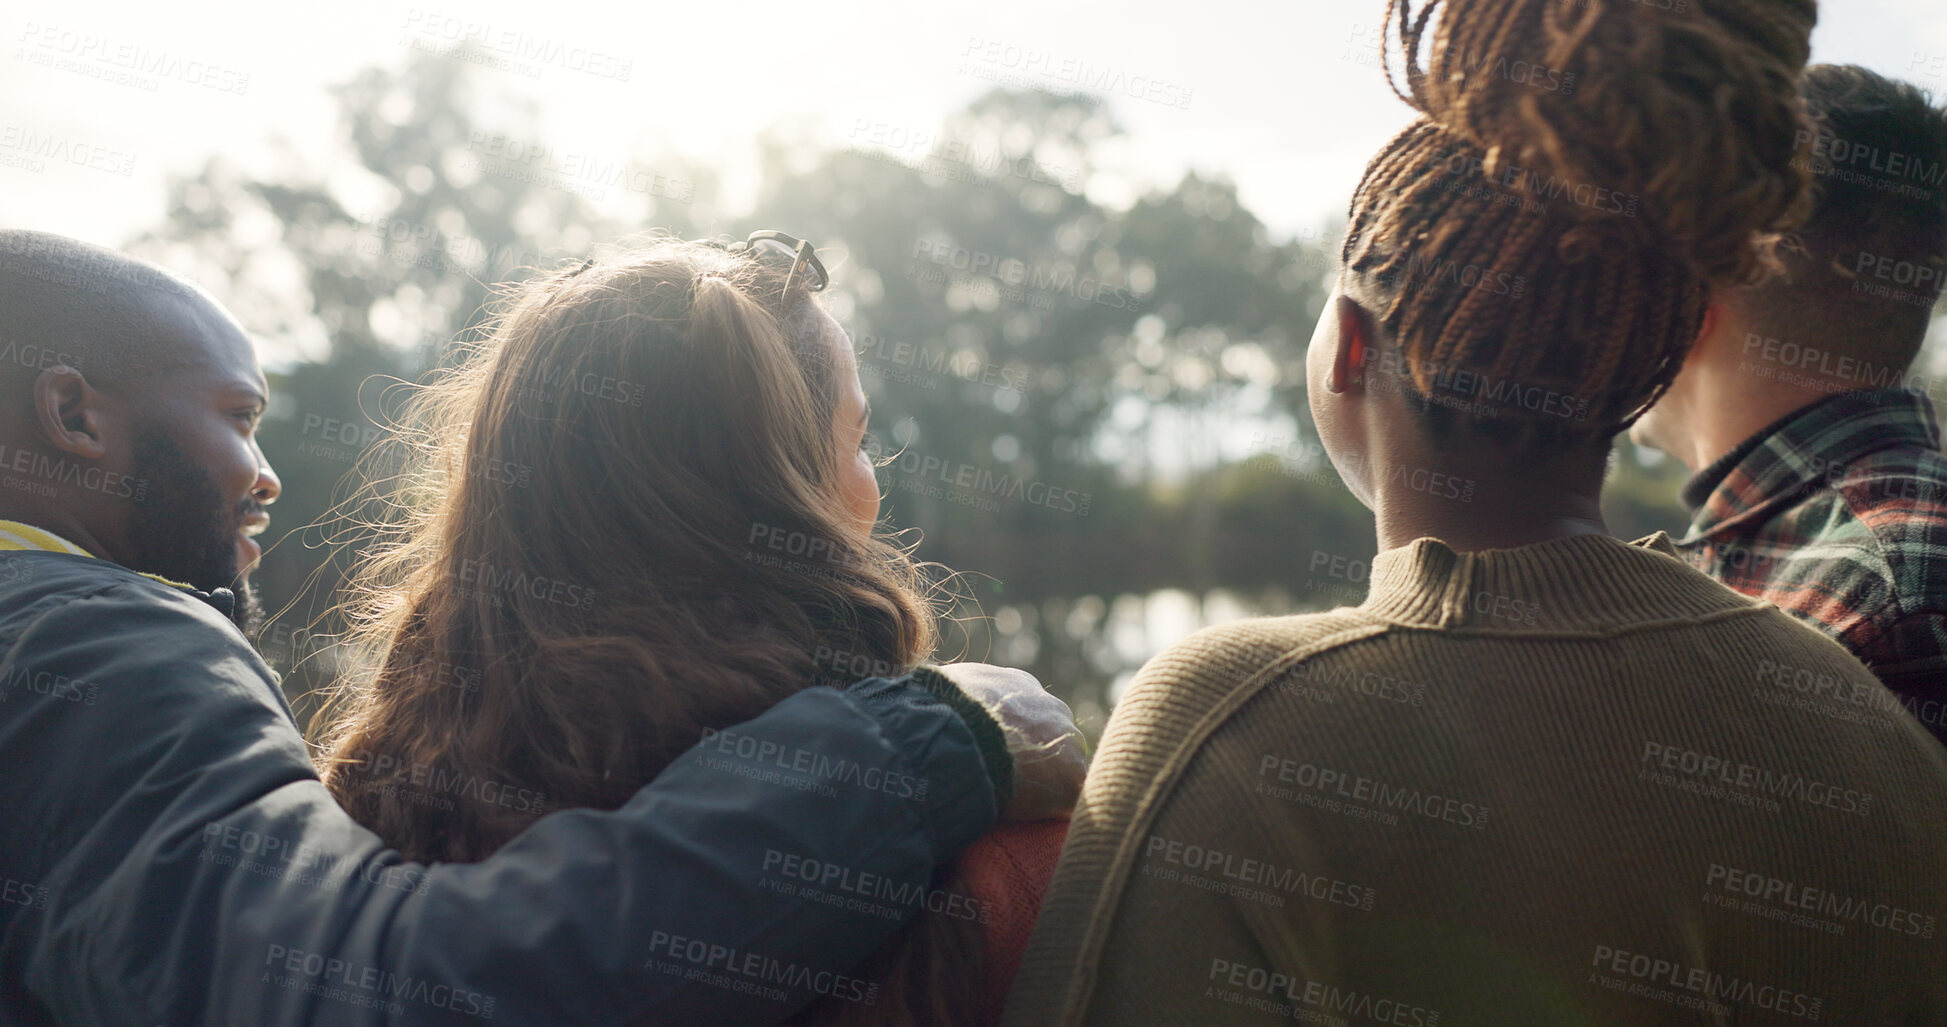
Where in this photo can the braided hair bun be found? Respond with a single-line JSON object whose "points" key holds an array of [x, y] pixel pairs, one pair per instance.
{"points": [[1582, 172]]}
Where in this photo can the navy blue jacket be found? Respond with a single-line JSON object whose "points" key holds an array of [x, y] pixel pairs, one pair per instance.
{"points": [[169, 856]]}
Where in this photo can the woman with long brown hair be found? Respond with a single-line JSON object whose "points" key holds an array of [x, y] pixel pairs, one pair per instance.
{"points": [[644, 512]]}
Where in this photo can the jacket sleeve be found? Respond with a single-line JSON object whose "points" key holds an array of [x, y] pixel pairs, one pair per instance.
{"points": [[190, 868]]}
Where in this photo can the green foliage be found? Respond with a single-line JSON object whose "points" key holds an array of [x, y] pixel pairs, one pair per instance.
{"points": [[1025, 348]]}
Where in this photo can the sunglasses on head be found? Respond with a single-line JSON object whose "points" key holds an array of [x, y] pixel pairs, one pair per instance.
{"points": [[798, 253], [775, 246]]}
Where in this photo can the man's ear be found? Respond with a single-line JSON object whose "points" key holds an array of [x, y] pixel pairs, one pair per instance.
{"points": [[1726, 325], [1352, 349], [1714, 315], [69, 410]]}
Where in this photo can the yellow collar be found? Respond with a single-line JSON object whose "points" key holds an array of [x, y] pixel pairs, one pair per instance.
{"points": [[15, 535]]}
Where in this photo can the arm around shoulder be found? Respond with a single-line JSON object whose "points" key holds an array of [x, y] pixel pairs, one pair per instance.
{"points": [[192, 869]]}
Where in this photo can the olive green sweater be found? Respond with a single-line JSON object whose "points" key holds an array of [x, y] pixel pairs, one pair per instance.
{"points": [[1572, 783]]}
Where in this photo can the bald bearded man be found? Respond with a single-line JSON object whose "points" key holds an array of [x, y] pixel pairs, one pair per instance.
{"points": [[132, 430], [170, 854]]}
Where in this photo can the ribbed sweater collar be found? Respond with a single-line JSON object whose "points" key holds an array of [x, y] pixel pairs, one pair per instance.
{"points": [[1577, 585]]}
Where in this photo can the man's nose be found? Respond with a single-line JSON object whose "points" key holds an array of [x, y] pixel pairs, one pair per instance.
{"points": [[268, 487]]}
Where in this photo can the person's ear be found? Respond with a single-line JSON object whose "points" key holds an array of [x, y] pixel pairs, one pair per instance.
{"points": [[69, 412], [1714, 315], [1349, 355]]}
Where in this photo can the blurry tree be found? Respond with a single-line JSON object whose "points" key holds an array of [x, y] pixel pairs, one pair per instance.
{"points": [[1061, 389]]}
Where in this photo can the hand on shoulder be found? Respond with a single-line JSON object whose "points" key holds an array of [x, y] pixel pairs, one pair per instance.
{"points": [[1049, 757]]}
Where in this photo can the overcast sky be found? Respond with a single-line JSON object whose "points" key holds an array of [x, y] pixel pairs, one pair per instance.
{"points": [[1280, 97]]}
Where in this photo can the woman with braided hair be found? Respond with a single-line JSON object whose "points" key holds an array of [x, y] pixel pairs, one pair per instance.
{"points": [[1541, 775], [1527, 265]]}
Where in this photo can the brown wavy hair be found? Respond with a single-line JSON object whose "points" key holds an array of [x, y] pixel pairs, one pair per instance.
{"points": [[1610, 159], [566, 592]]}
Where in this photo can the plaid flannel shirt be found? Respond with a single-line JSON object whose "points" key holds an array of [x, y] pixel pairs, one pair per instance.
{"points": [[1837, 514]]}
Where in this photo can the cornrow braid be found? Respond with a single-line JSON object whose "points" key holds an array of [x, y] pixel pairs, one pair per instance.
{"points": [[1582, 173]]}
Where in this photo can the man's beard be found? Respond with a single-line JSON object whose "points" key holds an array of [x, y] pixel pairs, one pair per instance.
{"points": [[185, 530]]}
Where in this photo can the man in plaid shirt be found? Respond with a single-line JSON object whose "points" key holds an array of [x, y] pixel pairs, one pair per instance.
{"points": [[1820, 484]]}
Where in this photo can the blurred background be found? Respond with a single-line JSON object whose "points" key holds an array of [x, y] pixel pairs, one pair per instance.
{"points": [[1080, 251]]}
